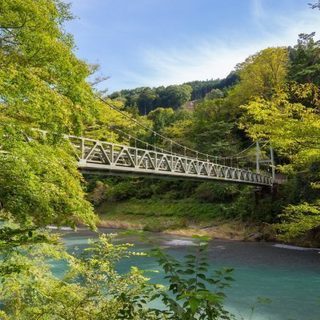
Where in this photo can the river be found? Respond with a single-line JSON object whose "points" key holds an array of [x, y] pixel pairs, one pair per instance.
{"points": [[289, 276]]}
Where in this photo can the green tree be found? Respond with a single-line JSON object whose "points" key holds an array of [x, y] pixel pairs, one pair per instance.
{"points": [[215, 94], [207, 129], [146, 100], [42, 85], [40, 185], [210, 131], [161, 118], [294, 132], [175, 95], [261, 75], [305, 60]]}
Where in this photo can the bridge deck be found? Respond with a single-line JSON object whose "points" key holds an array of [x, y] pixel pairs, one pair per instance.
{"points": [[109, 158]]}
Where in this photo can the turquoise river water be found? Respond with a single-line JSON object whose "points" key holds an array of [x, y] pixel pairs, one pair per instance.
{"points": [[288, 276]]}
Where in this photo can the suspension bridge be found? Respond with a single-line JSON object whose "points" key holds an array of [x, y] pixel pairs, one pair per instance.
{"points": [[107, 158]]}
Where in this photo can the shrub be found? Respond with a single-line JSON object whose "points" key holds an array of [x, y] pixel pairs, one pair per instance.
{"points": [[215, 192]]}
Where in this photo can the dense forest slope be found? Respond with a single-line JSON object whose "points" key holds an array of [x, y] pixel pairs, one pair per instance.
{"points": [[146, 99]]}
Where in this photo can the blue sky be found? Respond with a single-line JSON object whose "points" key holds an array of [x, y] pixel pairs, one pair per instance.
{"points": [[163, 42]]}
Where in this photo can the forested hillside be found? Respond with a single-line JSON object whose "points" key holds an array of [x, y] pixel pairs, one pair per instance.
{"points": [[146, 99]]}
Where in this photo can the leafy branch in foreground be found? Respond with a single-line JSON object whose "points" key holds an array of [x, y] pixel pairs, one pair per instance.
{"points": [[92, 288], [190, 296]]}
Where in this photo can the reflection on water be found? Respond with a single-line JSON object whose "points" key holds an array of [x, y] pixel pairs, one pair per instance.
{"points": [[285, 274]]}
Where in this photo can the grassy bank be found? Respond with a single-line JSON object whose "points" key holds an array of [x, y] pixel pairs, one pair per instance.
{"points": [[183, 217]]}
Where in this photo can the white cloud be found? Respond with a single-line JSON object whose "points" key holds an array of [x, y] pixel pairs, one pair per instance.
{"points": [[215, 58]]}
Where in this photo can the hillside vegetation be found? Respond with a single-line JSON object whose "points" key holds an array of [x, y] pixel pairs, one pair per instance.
{"points": [[146, 99]]}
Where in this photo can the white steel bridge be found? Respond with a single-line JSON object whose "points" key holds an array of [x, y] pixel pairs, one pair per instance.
{"points": [[107, 158]]}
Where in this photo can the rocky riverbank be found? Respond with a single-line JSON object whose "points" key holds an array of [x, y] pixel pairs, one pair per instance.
{"points": [[175, 219]]}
